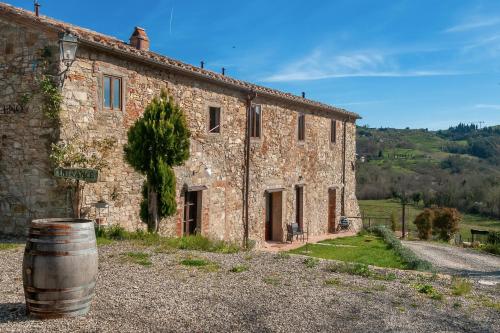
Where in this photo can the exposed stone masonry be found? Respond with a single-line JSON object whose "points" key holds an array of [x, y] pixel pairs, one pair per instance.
{"points": [[277, 159]]}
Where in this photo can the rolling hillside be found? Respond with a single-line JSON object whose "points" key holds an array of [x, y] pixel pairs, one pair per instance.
{"points": [[458, 167]]}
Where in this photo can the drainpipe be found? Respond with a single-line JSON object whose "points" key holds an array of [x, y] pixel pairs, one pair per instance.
{"points": [[343, 166], [250, 96]]}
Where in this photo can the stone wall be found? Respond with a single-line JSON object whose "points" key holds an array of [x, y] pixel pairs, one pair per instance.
{"points": [[27, 188], [278, 160]]}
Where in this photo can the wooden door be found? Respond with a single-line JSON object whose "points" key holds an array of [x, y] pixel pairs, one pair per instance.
{"points": [[299, 206], [269, 217], [332, 207], [190, 213]]}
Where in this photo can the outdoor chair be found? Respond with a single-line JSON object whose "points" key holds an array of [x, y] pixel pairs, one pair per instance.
{"points": [[294, 230], [344, 224]]}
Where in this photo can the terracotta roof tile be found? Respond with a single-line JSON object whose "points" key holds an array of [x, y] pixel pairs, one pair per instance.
{"points": [[112, 43]]}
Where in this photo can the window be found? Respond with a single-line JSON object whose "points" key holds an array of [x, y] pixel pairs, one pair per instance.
{"points": [[112, 92], [255, 121], [302, 127], [333, 131], [214, 120]]}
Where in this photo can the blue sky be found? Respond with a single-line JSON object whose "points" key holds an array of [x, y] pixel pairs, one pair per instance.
{"points": [[417, 63]]}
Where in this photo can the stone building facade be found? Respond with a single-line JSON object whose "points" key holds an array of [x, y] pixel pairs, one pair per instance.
{"points": [[310, 181]]}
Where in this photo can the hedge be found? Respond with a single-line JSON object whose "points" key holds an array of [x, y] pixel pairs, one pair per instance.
{"points": [[409, 258]]}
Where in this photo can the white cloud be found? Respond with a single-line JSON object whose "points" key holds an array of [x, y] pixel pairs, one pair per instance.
{"points": [[487, 106], [475, 24], [491, 41], [318, 65]]}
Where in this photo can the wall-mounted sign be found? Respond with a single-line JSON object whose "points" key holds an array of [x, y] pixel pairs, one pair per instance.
{"points": [[12, 109], [88, 175]]}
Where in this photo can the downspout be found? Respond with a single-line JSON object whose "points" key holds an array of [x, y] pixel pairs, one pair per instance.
{"points": [[250, 96], [342, 210]]}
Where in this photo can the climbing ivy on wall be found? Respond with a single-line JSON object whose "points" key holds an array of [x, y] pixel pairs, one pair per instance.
{"points": [[48, 86], [156, 142]]}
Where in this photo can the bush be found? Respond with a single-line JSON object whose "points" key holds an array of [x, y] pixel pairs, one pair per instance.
{"points": [[445, 223], [492, 248], [409, 258], [423, 221], [429, 291], [311, 262], [351, 268], [494, 237], [460, 286], [239, 269], [195, 242], [394, 221]]}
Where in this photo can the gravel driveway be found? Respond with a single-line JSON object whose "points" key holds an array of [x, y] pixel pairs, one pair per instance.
{"points": [[459, 261], [275, 294]]}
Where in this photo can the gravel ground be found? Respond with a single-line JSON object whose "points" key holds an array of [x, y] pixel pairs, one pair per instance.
{"points": [[454, 260], [273, 295]]}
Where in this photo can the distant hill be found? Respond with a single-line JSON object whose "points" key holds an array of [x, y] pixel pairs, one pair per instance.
{"points": [[458, 167]]}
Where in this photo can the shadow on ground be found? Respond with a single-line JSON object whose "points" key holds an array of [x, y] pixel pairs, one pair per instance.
{"points": [[12, 312]]}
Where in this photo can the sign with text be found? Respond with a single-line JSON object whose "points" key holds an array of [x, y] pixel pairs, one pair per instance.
{"points": [[88, 175], [12, 109]]}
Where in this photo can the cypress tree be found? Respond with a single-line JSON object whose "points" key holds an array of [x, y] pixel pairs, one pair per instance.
{"points": [[158, 141]]}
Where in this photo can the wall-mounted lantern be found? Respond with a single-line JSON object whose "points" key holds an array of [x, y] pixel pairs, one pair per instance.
{"points": [[68, 44]]}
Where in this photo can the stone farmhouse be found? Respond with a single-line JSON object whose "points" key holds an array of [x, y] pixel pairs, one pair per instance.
{"points": [[259, 158]]}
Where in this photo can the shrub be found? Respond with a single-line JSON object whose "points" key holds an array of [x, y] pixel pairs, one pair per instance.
{"points": [[445, 223], [239, 269], [423, 221], [282, 255], [394, 221], [494, 237], [492, 248], [195, 242], [460, 286], [441, 221], [311, 262], [409, 258], [351, 268], [429, 291]]}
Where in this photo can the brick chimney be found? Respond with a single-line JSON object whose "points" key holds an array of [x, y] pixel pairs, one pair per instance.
{"points": [[139, 39]]}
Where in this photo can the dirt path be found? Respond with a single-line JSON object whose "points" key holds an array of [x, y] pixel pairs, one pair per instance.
{"points": [[459, 261]]}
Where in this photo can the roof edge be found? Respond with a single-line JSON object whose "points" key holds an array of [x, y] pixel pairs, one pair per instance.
{"points": [[113, 45]]}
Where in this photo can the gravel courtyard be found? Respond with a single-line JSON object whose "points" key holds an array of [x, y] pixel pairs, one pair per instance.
{"points": [[275, 294]]}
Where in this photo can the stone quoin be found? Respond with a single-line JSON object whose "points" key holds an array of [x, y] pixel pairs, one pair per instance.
{"points": [[301, 161]]}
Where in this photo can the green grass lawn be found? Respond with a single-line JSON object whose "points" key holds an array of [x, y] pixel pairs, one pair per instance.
{"points": [[366, 249], [384, 208]]}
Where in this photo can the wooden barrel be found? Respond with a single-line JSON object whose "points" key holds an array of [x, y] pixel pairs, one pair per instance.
{"points": [[60, 267]]}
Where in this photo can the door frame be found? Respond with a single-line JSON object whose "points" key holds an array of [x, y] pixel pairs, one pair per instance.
{"points": [[195, 200], [274, 213]]}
